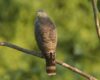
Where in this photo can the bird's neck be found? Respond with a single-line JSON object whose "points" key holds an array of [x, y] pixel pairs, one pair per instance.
{"points": [[44, 19]]}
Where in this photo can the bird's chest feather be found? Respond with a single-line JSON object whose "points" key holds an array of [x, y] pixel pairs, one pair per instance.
{"points": [[46, 35]]}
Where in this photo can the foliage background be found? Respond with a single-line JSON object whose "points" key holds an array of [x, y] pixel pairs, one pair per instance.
{"points": [[78, 43]]}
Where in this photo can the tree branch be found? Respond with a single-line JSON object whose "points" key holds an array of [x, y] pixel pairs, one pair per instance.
{"points": [[21, 49], [96, 17], [74, 69]]}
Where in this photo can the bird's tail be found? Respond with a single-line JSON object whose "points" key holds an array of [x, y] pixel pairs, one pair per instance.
{"points": [[51, 65]]}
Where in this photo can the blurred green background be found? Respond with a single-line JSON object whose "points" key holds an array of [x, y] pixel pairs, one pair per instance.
{"points": [[78, 43]]}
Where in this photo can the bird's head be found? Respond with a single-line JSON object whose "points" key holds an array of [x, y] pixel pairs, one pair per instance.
{"points": [[41, 14]]}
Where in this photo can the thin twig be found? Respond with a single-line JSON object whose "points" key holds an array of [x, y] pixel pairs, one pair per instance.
{"points": [[74, 69], [96, 17]]}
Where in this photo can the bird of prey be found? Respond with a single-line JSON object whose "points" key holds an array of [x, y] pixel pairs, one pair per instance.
{"points": [[46, 37]]}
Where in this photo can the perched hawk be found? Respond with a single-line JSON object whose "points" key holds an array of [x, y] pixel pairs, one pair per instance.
{"points": [[46, 37]]}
